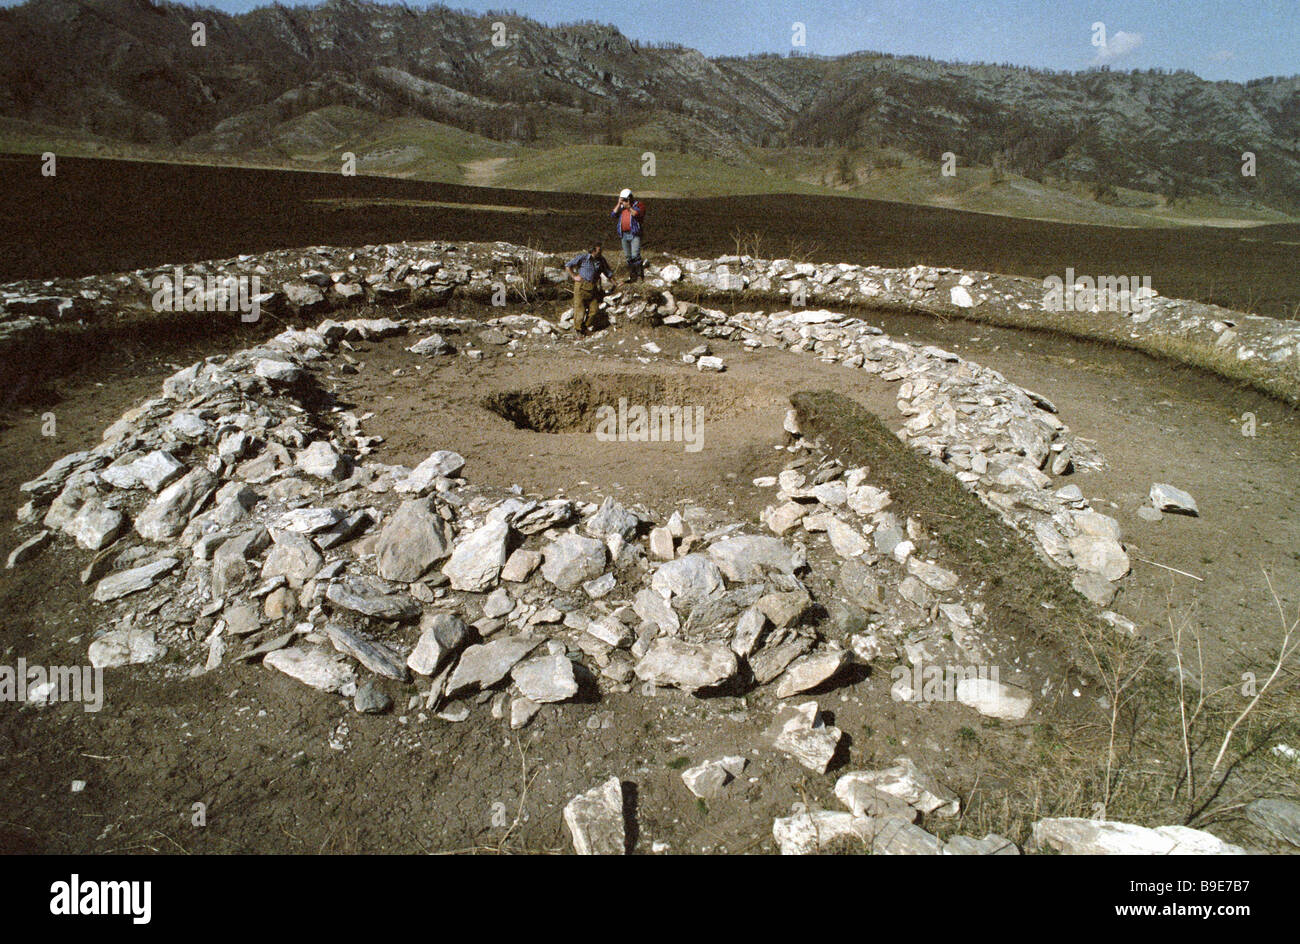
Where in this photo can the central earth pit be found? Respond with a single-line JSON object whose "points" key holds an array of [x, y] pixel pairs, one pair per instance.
{"points": [[628, 407], [582, 424]]}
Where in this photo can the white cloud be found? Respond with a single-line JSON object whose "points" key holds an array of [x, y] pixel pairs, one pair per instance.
{"points": [[1223, 55], [1118, 46]]}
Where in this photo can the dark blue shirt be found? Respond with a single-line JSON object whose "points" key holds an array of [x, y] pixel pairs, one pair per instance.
{"points": [[588, 265]]}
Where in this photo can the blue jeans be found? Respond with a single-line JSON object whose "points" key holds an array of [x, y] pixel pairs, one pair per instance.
{"points": [[632, 251]]}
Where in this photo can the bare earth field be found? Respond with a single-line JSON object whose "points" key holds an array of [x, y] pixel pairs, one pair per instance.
{"points": [[283, 769], [103, 216]]}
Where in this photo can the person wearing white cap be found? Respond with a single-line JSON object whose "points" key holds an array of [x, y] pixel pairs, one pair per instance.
{"points": [[629, 217]]}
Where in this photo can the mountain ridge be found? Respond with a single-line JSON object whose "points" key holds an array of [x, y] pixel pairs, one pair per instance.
{"points": [[128, 71]]}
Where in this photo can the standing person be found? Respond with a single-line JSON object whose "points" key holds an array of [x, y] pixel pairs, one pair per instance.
{"points": [[586, 268], [629, 217]]}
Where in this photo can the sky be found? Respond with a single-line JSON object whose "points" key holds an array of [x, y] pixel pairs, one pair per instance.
{"points": [[1216, 39]]}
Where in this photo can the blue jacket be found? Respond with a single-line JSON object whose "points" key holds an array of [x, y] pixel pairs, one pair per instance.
{"points": [[637, 215]]}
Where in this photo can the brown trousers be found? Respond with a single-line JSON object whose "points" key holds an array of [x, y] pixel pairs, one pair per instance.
{"points": [[586, 302]]}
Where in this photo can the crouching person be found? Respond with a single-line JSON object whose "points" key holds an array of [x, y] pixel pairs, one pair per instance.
{"points": [[586, 269]]}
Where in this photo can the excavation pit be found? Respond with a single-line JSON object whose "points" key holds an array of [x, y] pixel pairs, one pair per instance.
{"points": [[645, 407], [654, 433]]}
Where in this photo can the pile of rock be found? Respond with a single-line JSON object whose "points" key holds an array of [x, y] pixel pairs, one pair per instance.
{"points": [[317, 280], [238, 516], [1005, 443], [891, 598], [1271, 345], [274, 533]]}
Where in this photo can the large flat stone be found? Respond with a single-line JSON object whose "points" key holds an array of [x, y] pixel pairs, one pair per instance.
{"points": [[375, 656], [748, 558], [315, 667], [369, 599], [477, 558], [134, 580], [166, 516], [596, 820], [1077, 836], [413, 539], [486, 664], [994, 699], [686, 665], [546, 678], [571, 560]]}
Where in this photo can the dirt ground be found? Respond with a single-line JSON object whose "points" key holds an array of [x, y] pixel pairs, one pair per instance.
{"points": [[281, 768]]}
